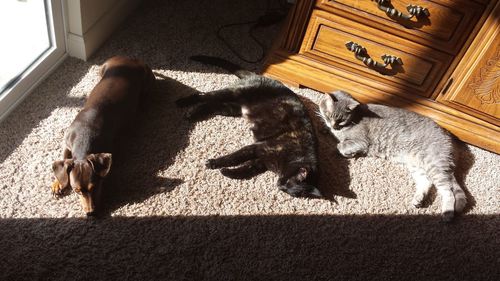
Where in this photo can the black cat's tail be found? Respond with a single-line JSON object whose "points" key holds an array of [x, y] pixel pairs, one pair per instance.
{"points": [[224, 64]]}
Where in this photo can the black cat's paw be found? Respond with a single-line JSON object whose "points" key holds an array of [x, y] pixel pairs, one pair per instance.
{"points": [[234, 173], [211, 164], [189, 115], [195, 115], [187, 101], [228, 173]]}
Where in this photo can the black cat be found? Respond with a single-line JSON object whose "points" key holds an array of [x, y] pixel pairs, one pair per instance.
{"points": [[285, 142]]}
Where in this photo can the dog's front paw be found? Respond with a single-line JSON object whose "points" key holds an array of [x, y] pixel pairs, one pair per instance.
{"points": [[58, 190], [211, 164]]}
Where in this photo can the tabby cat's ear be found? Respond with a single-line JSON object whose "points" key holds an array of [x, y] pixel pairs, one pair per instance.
{"points": [[332, 97], [341, 95], [326, 104], [351, 107]]}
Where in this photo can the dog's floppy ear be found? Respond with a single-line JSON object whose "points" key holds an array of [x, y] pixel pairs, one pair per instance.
{"points": [[61, 170], [101, 163]]}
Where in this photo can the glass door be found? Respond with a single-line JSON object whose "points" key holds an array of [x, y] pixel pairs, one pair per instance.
{"points": [[32, 33]]}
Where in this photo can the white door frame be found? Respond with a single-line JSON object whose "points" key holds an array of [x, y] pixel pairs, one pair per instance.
{"points": [[45, 65]]}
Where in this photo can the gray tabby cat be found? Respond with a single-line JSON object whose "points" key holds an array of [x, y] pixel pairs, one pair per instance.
{"points": [[397, 134]]}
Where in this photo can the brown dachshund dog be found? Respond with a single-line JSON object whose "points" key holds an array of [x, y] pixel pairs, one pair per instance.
{"points": [[89, 140]]}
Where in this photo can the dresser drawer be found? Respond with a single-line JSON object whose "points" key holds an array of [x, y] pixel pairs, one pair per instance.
{"points": [[446, 28], [325, 41]]}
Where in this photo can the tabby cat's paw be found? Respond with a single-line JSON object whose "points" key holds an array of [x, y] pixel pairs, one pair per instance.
{"points": [[417, 204], [418, 200], [345, 150], [460, 202], [348, 154]]}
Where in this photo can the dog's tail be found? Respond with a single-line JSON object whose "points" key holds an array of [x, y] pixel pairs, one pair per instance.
{"points": [[224, 64]]}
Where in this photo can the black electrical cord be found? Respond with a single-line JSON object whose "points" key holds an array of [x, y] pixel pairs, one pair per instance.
{"points": [[232, 49], [270, 17]]}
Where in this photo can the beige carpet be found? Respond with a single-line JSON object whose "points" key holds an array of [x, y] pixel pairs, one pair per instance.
{"points": [[171, 219]]}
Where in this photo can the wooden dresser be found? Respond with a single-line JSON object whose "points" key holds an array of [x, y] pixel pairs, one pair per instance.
{"points": [[440, 58]]}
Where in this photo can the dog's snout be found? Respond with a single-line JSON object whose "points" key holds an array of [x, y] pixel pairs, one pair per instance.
{"points": [[91, 214]]}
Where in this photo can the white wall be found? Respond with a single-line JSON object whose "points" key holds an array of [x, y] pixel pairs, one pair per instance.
{"points": [[91, 22]]}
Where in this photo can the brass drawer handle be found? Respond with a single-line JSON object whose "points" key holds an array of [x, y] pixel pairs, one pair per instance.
{"points": [[361, 54], [413, 10]]}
